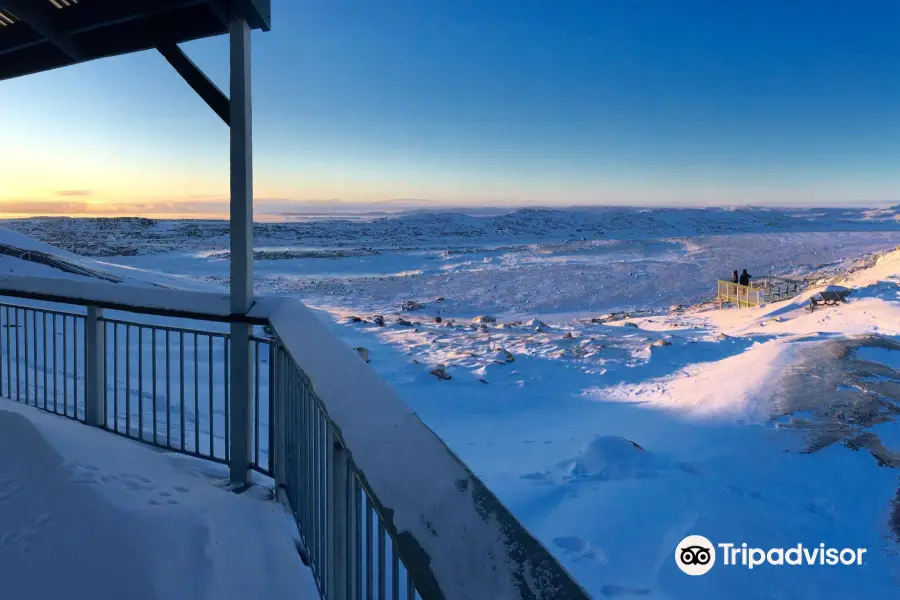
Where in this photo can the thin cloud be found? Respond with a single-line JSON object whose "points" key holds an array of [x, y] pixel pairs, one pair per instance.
{"points": [[75, 193]]}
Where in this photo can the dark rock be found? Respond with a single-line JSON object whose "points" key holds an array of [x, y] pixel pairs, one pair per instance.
{"points": [[440, 372]]}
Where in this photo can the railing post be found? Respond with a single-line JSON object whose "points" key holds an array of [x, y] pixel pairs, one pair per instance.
{"points": [[276, 414], [338, 526], [94, 362], [241, 398], [241, 220]]}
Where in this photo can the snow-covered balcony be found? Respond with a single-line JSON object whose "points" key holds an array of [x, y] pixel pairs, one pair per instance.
{"points": [[381, 505]]}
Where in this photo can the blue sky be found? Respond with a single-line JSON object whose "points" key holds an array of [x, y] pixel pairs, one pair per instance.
{"points": [[463, 102]]}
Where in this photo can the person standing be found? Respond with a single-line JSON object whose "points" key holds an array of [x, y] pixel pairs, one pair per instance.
{"points": [[734, 276], [745, 278]]}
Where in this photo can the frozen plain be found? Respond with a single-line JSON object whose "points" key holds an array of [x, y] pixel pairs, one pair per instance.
{"points": [[724, 448]]}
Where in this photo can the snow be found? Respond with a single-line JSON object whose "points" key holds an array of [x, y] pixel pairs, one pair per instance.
{"points": [[427, 492], [87, 515], [202, 304], [614, 439]]}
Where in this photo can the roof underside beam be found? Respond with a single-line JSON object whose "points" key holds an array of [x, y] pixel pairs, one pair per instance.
{"points": [[39, 16], [197, 79]]}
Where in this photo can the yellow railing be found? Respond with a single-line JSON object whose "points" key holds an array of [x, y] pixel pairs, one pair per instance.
{"points": [[739, 295]]}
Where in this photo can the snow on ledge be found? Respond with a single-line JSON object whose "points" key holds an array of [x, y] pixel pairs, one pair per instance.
{"points": [[447, 523], [178, 303]]}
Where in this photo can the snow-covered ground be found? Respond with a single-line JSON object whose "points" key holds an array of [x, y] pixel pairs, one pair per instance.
{"points": [[87, 515], [614, 436]]}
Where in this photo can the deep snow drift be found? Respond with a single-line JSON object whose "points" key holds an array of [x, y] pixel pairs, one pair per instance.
{"points": [[613, 436]]}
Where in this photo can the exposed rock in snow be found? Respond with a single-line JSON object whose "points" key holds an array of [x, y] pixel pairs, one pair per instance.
{"points": [[503, 356], [441, 372], [363, 352], [484, 319], [378, 320]]}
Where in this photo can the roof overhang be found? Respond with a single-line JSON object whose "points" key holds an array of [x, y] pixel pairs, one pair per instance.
{"points": [[40, 35]]}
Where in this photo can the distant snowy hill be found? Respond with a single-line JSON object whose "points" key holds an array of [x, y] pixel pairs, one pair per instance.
{"points": [[23, 255], [123, 236]]}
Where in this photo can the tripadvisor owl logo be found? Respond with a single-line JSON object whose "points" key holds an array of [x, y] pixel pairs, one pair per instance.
{"points": [[695, 555]]}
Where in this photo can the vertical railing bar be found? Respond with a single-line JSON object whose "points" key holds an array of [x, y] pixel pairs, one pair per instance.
{"points": [[306, 474], [227, 403], [18, 358], [328, 498], [106, 372], [141, 382], [352, 528], [319, 473], [370, 592], [382, 585], [55, 374], [44, 349], [257, 381], [196, 396], [305, 443], [25, 339], [395, 571], [115, 376], [1, 349], [181, 385], [271, 413], [168, 395], [34, 352], [128, 379], [303, 474], [153, 384], [357, 509], [65, 366], [75, 321], [8, 357], [211, 414], [317, 496]]}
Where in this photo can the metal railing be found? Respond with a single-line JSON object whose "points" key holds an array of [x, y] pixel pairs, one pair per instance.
{"points": [[167, 386], [762, 291], [377, 524], [349, 551], [739, 295]]}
